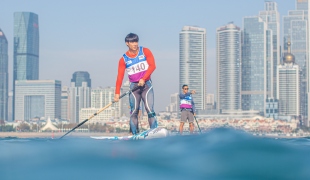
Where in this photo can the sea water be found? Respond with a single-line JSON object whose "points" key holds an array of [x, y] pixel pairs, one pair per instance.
{"points": [[217, 154]]}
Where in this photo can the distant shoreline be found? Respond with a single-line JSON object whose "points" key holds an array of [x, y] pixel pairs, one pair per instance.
{"points": [[55, 134]]}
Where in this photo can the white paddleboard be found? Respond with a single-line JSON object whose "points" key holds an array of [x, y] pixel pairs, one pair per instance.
{"points": [[148, 134]]}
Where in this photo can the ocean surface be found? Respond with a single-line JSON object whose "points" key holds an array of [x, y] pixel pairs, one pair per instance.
{"points": [[217, 154]]}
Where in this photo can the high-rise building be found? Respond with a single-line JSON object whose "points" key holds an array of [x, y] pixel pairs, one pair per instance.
{"points": [[79, 77], [271, 17], [228, 55], [193, 63], [26, 49], [37, 99], [289, 86], [303, 5], [4, 75], [79, 94], [64, 103], [174, 105], [307, 119], [100, 97], [296, 30], [10, 106], [256, 63]]}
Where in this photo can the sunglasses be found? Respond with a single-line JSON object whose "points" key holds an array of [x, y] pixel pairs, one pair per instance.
{"points": [[185, 88]]}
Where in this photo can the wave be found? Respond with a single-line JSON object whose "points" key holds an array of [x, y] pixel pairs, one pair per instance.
{"points": [[217, 154]]}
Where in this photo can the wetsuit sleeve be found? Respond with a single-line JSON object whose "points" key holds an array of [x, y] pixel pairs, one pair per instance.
{"points": [[120, 75], [151, 61]]}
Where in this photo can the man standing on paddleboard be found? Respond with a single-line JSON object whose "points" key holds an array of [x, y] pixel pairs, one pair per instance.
{"points": [[139, 64], [187, 107]]}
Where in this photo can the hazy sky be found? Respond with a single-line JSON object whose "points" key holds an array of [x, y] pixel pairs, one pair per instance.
{"points": [[80, 35]]}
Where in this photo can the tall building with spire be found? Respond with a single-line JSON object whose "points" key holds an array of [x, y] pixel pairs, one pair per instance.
{"points": [[26, 49], [193, 62], [4, 75], [289, 85], [228, 55]]}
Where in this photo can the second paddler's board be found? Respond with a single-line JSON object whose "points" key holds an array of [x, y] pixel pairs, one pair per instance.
{"points": [[148, 134]]}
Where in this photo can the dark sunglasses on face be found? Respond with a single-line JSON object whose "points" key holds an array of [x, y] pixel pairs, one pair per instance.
{"points": [[185, 88]]}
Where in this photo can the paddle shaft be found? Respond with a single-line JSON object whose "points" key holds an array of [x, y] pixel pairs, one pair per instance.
{"points": [[100, 110], [197, 124]]}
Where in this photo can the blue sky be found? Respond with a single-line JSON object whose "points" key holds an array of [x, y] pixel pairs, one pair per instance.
{"points": [[80, 35]]}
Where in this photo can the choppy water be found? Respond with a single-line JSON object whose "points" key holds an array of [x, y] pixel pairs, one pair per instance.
{"points": [[218, 154]]}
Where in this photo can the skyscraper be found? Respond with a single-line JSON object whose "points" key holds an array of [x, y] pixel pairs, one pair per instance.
{"points": [[26, 48], [64, 103], [228, 55], [37, 98], [289, 85], [79, 77], [193, 63], [303, 5], [256, 63], [295, 30], [271, 17], [79, 94], [3, 77], [308, 82]]}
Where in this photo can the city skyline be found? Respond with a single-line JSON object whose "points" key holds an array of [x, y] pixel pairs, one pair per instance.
{"points": [[74, 51]]}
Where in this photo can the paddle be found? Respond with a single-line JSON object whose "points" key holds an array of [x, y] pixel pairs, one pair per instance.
{"points": [[100, 110], [197, 124]]}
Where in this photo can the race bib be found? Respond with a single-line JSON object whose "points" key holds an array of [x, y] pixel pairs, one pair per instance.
{"points": [[183, 101], [136, 68]]}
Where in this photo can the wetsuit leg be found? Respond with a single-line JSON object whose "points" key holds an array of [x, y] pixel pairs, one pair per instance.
{"points": [[134, 101], [148, 99]]}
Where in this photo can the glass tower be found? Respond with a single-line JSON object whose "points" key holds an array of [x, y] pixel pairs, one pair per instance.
{"points": [[271, 17], [256, 63], [3, 77], [228, 67], [26, 48], [193, 63], [295, 30]]}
